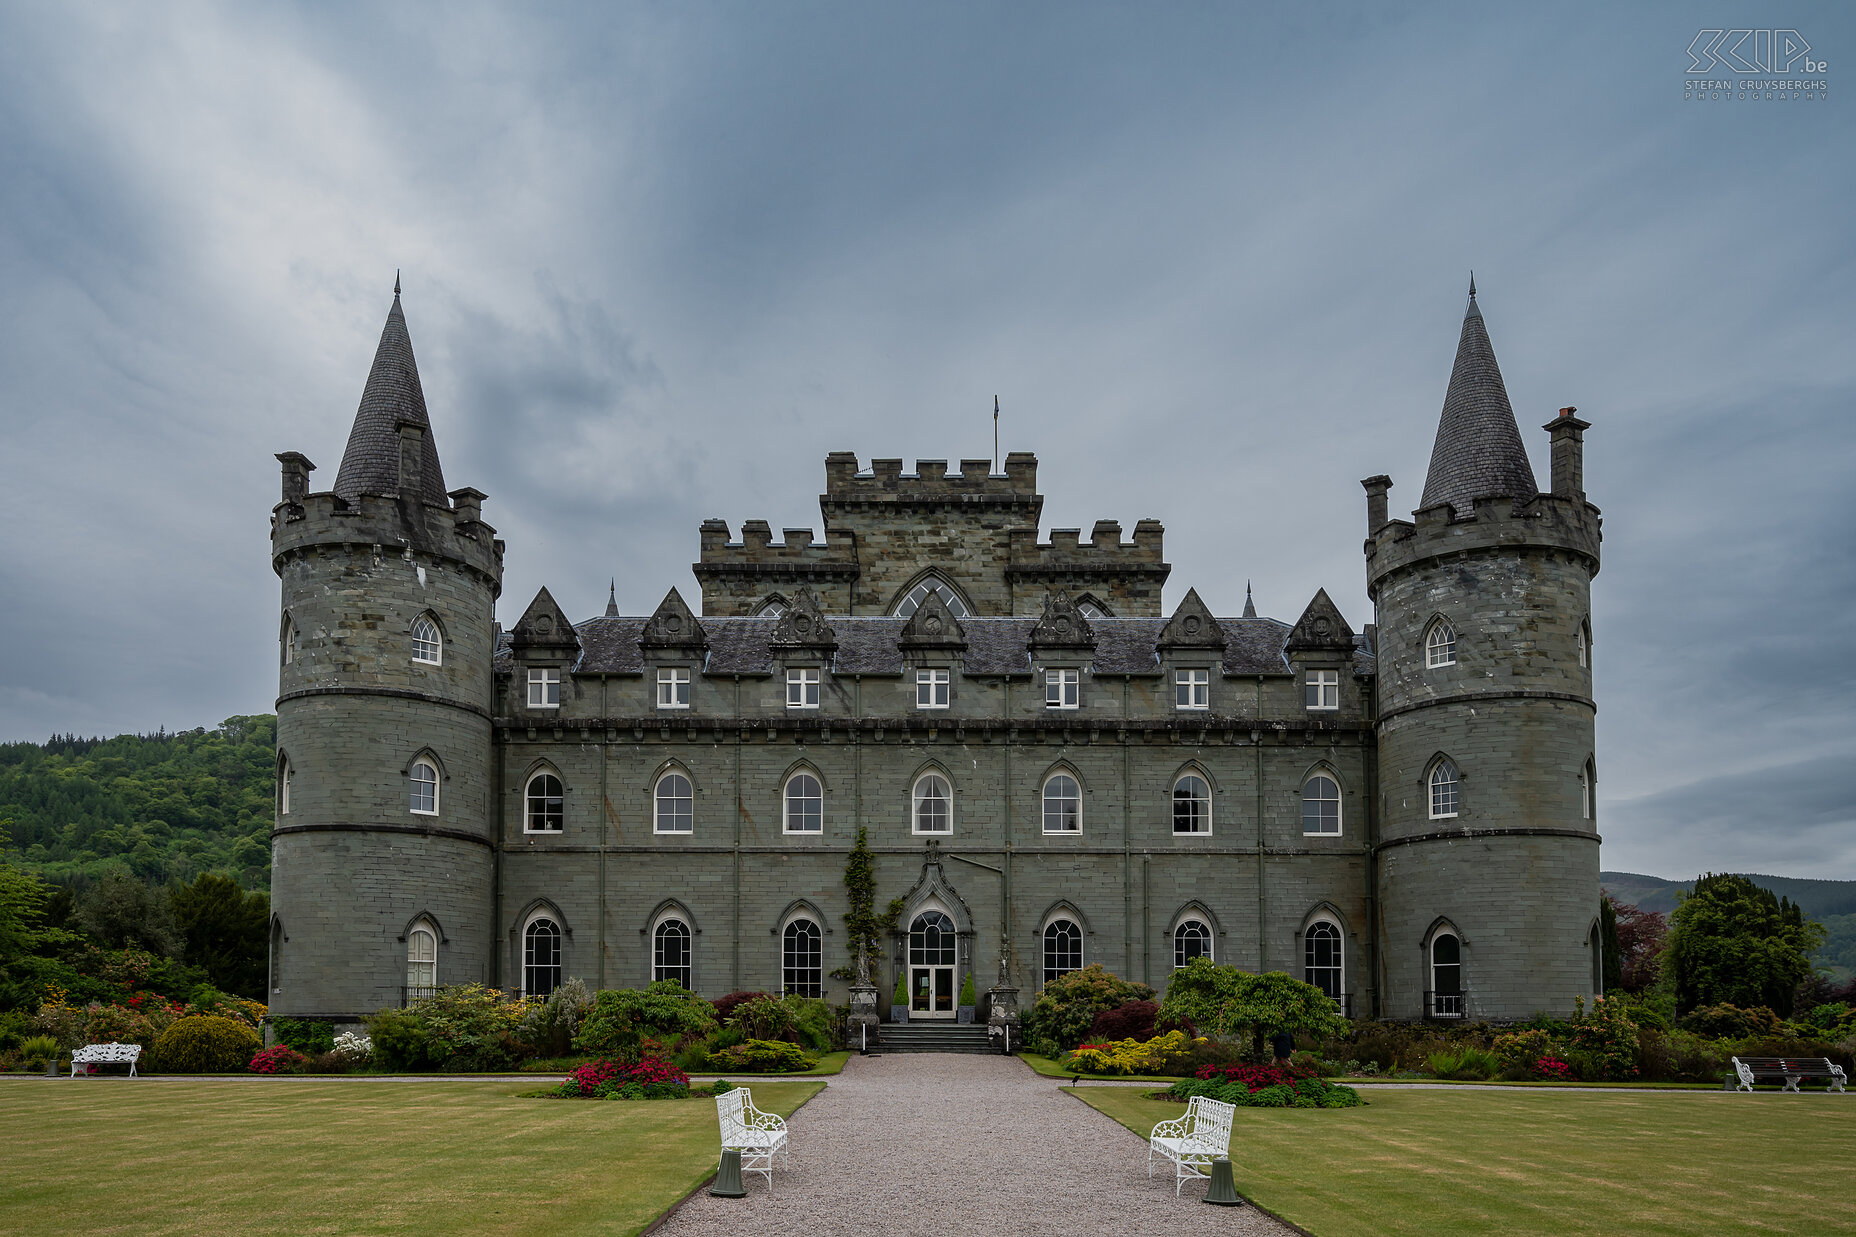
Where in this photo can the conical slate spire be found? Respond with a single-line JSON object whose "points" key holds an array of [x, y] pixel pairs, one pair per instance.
{"points": [[612, 599], [1478, 450], [1250, 607], [371, 464]]}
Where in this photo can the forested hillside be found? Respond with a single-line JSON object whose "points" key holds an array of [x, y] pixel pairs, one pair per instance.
{"points": [[1830, 902], [170, 806]]}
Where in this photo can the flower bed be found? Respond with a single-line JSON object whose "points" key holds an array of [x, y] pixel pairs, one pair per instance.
{"points": [[1282, 1085], [650, 1079]]}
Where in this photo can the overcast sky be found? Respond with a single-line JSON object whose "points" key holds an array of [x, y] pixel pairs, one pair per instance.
{"points": [[660, 259]]}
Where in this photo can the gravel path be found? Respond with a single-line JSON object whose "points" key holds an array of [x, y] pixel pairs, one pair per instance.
{"points": [[931, 1143]]}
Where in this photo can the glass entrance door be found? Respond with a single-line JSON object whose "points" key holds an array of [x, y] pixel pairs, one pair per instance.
{"points": [[931, 966]]}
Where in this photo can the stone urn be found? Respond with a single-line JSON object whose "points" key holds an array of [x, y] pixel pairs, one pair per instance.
{"points": [[1002, 1018], [860, 1029]]}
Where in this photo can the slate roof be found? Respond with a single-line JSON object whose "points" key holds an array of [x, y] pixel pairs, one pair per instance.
{"points": [[609, 645], [371, 464], [1478, 450]]}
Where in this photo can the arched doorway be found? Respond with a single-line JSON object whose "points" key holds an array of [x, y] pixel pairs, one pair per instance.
{"points": [[933, 950]]}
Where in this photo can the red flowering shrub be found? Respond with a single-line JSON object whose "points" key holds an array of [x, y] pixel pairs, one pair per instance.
{"points": [[652, 1077], [1256, 1077], [279, 1059], [590, 1075], [655, 1070], [1553, 1069]]}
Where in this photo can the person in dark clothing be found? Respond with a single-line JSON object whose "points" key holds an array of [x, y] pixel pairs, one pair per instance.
{"points": [[1284, 1045]]}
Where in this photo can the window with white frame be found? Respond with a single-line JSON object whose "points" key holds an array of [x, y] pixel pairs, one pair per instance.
{"points": [[1582, 637], [673, 688], [931, 806], [1321, 689], [544, 688], [931, 688], [670, 952], [547, 800], [424, 781], [804, 804], [1063, 948], [802, 689], [1585, 793], [287, 641], [1063, 804], [1089, 609], [676, 804], [802, 959], [1446, 976], [1192, 805], [428, 647], [1440, 645], [1192, 689], [912, 600], [1191, 939], [772, 608], [1321, 960], [1321, 805], [541, 957], [1443, 790], [421, 961], [1062, 688]]}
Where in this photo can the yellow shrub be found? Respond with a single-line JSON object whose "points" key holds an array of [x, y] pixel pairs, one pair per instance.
{"points": [[1129, 1056]]}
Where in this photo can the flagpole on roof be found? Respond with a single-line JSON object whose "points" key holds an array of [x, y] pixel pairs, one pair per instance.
{"points": [[995, 435]]}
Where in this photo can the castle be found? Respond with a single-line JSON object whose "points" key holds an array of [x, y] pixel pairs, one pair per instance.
{"points": [[1050, 769]]}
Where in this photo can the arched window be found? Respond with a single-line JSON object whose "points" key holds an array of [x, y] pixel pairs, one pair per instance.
{"points": [[286, 641], [1595, 940], [1063, 804], [1192, 805], [1585, 792], [541, 957], [1091, 609], [1440, 645], [802, 957], [1582, 637], [428, 647], [670, 952], [1321, 805], [1191, 939], [932, 805], [1063, 948], [1443, 790], [284, 775], [421, 961], [912, 600], [1321, 959], [277, 954], [773, 606], [676, 804], [547, 811], [805, 804], [424, 787], [1446, 976]]}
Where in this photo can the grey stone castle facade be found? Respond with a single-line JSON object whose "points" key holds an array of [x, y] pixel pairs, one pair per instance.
{"points": [[1051, 769]]}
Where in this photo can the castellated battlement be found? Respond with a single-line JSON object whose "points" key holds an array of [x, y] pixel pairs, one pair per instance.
{"points": [[1546, 522], [1105, 553], [931, 484]]}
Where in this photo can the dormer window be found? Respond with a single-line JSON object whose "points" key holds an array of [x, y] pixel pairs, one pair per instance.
{"points": [[1321, 690], [1192, 689], [1440, 646], [931, 688], [544, 688], [1062, 689], [802, 689], [673, 688], [427, 644]]}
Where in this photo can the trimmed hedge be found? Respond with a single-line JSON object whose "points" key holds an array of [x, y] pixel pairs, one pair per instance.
{"points": [[206, 1044]]}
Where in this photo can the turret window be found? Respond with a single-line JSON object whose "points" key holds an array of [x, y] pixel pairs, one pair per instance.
{"points": [[1320, 805], [546, 804], [424, 788], [421, 961], [1585, 793], [1192, 689], [287, 641], [1192, 805], [1443, 790], [1321, 689], [802, 689], [676, 804], [673, 688], [805, 804], [1446, 994], [427, 645], [932, 805], [1582, 638], [1063, 804], [1440, 646], [284, 775], [544, 689]]}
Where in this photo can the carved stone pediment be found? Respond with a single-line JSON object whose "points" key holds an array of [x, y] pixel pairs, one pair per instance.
{"points": [[1321, 627], [544, 626], [673, 626], [933, 626], [802, 626], [1062, 625], [1192, 626]]}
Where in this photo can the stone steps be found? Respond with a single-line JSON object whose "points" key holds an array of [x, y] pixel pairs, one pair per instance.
{"points": [[933, 1037]]}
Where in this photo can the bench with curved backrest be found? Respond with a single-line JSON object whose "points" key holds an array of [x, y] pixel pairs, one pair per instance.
{"points": [[1793, 1070], [757, 1135], [105, 1054], [1193, 1141]]}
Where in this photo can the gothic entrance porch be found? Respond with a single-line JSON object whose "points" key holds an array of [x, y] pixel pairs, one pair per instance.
{"points": [[933, 954]]}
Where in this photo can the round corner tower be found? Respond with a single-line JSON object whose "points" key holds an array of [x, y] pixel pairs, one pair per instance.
{"points": [[1487, 851], [381, 854]]}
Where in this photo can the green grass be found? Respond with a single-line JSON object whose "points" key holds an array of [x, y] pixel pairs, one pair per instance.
{"points": [[345, 1156], [1437, 1163]]}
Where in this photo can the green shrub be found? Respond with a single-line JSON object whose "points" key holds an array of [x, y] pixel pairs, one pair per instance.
{"points": [[1068, 1004], [1732, 1022], [966, 990], [1608, 1038], [767, 1017], [471, 1027], [622, 1019], [1465, 1064], [15, 1025], [310, 1036], [38, 1050], [403, 1042], [764, 1056], [548, 1027], [206, 1044], [1523, 1048]]}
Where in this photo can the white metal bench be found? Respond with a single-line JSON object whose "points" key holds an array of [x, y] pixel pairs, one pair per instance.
{"points": [[1193, 1141], [757, 1135], [105, 1054], [1793, 1070]]}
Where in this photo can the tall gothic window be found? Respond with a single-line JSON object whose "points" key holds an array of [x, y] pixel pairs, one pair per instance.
{"points": [[676, 804], [1063, 948], [1443, 790], [1191, 939], [932, 805], [424, 787], [802, 957], [670, 952], [421, 961], [1320, 805], [427, 645], [1321, 963], [541, 958], [1446, 976], [805, 804], [547, 812], [1192, 805], [1440, 645], [1063, 804]]}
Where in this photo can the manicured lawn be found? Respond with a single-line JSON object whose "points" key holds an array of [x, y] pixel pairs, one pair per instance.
{"points": [[1441, 1162], [347, 1156]]}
